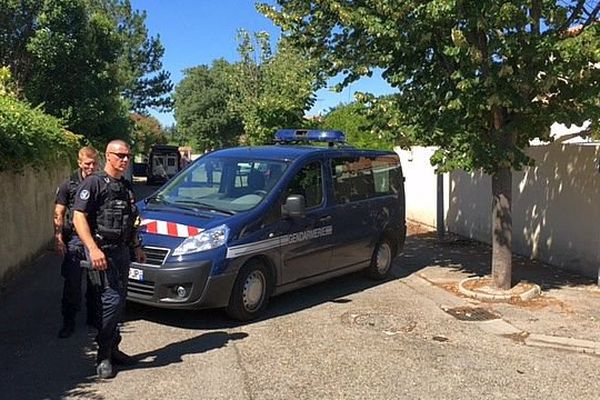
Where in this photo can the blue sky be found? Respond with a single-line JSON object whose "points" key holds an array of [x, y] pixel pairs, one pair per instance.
{"points": [[196, 32]]}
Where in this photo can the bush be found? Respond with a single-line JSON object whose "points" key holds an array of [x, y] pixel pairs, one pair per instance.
{"points": [[29, 137]]}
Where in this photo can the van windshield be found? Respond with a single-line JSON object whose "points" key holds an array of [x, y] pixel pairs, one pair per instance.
{"points": [[222, 184]]}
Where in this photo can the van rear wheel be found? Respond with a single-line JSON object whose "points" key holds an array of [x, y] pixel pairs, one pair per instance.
{"points": [[250, 292], [381, 261]]}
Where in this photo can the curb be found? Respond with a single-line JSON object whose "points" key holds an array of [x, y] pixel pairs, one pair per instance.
{"points": [[505, 329], [563, 343], [498, 296]]}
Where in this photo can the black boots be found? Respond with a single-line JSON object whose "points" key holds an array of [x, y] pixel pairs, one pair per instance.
{"points": [[104, 369], [120, 358]]}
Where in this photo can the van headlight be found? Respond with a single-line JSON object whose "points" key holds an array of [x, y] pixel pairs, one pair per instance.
{"points": [[205, 240]]}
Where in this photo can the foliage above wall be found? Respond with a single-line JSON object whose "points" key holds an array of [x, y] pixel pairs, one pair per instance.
{"points": [[29, 137]]}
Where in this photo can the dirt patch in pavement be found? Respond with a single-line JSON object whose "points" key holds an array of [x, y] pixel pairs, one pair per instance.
{"points": [[533, 304], [413, 229], [542, 302], [486, 285]]}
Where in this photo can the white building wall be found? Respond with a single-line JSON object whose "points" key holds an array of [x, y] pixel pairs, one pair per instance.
{"points": [[556, 204], [420, 185]]}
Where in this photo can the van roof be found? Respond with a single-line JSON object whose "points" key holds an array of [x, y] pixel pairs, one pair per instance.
{"points": [[292, 152]]}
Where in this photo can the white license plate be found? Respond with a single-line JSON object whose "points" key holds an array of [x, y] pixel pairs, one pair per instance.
{"points": [[136, 274]]}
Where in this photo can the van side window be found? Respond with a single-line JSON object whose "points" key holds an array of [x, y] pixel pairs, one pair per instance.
{"points": [[352, 179], [309, 183], [360, 178]]}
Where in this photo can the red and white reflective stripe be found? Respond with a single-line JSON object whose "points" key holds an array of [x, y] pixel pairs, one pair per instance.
{"points": [[169, 228]]}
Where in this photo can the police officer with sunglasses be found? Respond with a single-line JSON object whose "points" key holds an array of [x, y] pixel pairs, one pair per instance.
{"points": [[104, 217]]}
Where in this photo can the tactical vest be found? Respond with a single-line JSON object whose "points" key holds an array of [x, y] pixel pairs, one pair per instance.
{"points": [[74, 181], [117, 214]]}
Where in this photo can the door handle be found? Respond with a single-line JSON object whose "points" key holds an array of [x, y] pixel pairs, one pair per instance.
{"points": [[326, 218]]}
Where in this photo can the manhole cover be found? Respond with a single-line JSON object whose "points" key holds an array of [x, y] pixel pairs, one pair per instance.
{"points": [[471, 313], [388, 323]]}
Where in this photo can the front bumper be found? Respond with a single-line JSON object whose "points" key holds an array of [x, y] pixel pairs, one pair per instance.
{"points": [[159, 286]]}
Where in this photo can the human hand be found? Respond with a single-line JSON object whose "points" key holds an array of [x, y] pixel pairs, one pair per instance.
{"points": [[140, 256], [98, 259], [59, 245]]}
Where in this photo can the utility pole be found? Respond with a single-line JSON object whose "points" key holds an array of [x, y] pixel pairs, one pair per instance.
{"points": [[440, 206]]}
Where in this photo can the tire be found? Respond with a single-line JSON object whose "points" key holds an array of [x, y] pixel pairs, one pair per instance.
{"points": [[381, 261], [250, 293]]}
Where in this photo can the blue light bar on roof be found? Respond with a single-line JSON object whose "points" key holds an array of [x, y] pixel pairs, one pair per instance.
{"points": [[309, 135]]}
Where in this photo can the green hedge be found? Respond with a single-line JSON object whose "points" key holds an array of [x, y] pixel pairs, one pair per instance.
{"points": [[29, 137]]}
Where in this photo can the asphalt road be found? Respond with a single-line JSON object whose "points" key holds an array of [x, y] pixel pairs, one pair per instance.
{"points": [[348, 338]]}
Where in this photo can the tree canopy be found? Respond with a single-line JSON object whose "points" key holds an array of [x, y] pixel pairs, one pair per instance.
{"points": [[146, 132], [87, 62], [271, 90], [357, 122], [246, 101], [201, 107], [478, 79], [28, 136]]}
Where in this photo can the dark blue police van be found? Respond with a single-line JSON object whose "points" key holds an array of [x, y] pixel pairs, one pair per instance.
{"points": [[240, 225]]}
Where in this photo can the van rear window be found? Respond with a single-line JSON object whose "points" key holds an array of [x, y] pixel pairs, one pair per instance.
{"points": [[360, 178]]}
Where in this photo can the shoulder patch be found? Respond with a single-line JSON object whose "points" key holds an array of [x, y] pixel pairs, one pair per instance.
{"points": [[84, 195]]}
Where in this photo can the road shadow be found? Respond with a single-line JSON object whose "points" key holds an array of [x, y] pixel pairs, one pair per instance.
{"points": [[334, 290], [34, 363], [474, 259], [173, 352]]}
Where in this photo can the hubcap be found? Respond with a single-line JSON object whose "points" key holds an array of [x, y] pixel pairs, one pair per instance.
{"points": [[384, 258], [254, 289]]}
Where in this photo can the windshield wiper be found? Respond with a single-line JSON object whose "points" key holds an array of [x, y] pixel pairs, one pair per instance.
{"points": [[204, 206], [155, 197]]}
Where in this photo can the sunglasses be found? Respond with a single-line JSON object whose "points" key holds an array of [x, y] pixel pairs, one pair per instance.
{"points": [[121, 156]]}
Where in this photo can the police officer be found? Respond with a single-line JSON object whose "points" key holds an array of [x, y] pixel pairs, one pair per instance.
{"points": [[68, 244], [104, 217]]}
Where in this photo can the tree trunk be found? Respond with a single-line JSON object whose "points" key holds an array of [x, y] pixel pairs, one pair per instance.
{"points": [[502, 228]]}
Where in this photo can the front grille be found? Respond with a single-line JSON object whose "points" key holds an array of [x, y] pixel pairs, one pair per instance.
{"points": [[137, 288], [155, 255]]}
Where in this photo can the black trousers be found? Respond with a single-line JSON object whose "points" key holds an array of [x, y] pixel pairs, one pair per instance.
{"points": [[72, 273], [111, 299]]}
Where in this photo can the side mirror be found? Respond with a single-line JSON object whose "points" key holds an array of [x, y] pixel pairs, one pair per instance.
{"points": [[294, 206]]}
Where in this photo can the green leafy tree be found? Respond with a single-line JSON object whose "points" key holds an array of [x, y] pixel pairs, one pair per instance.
{"points": [[271, 91], [203, 116], [74, 70], [478, 79], [17, 25], [147, 84], [6, 82], [146, 132], [352, 119], [28, 136], [87, 62]]}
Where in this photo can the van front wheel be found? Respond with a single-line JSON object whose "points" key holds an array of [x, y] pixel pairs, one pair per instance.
{"points": [[250, 292], [381, 261]]}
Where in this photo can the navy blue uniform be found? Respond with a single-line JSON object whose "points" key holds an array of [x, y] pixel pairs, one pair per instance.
{"points": [[70, 268], [109, 205]]}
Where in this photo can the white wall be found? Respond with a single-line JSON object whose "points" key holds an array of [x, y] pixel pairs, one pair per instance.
{"points": [[556, 204], [420, 185]]}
